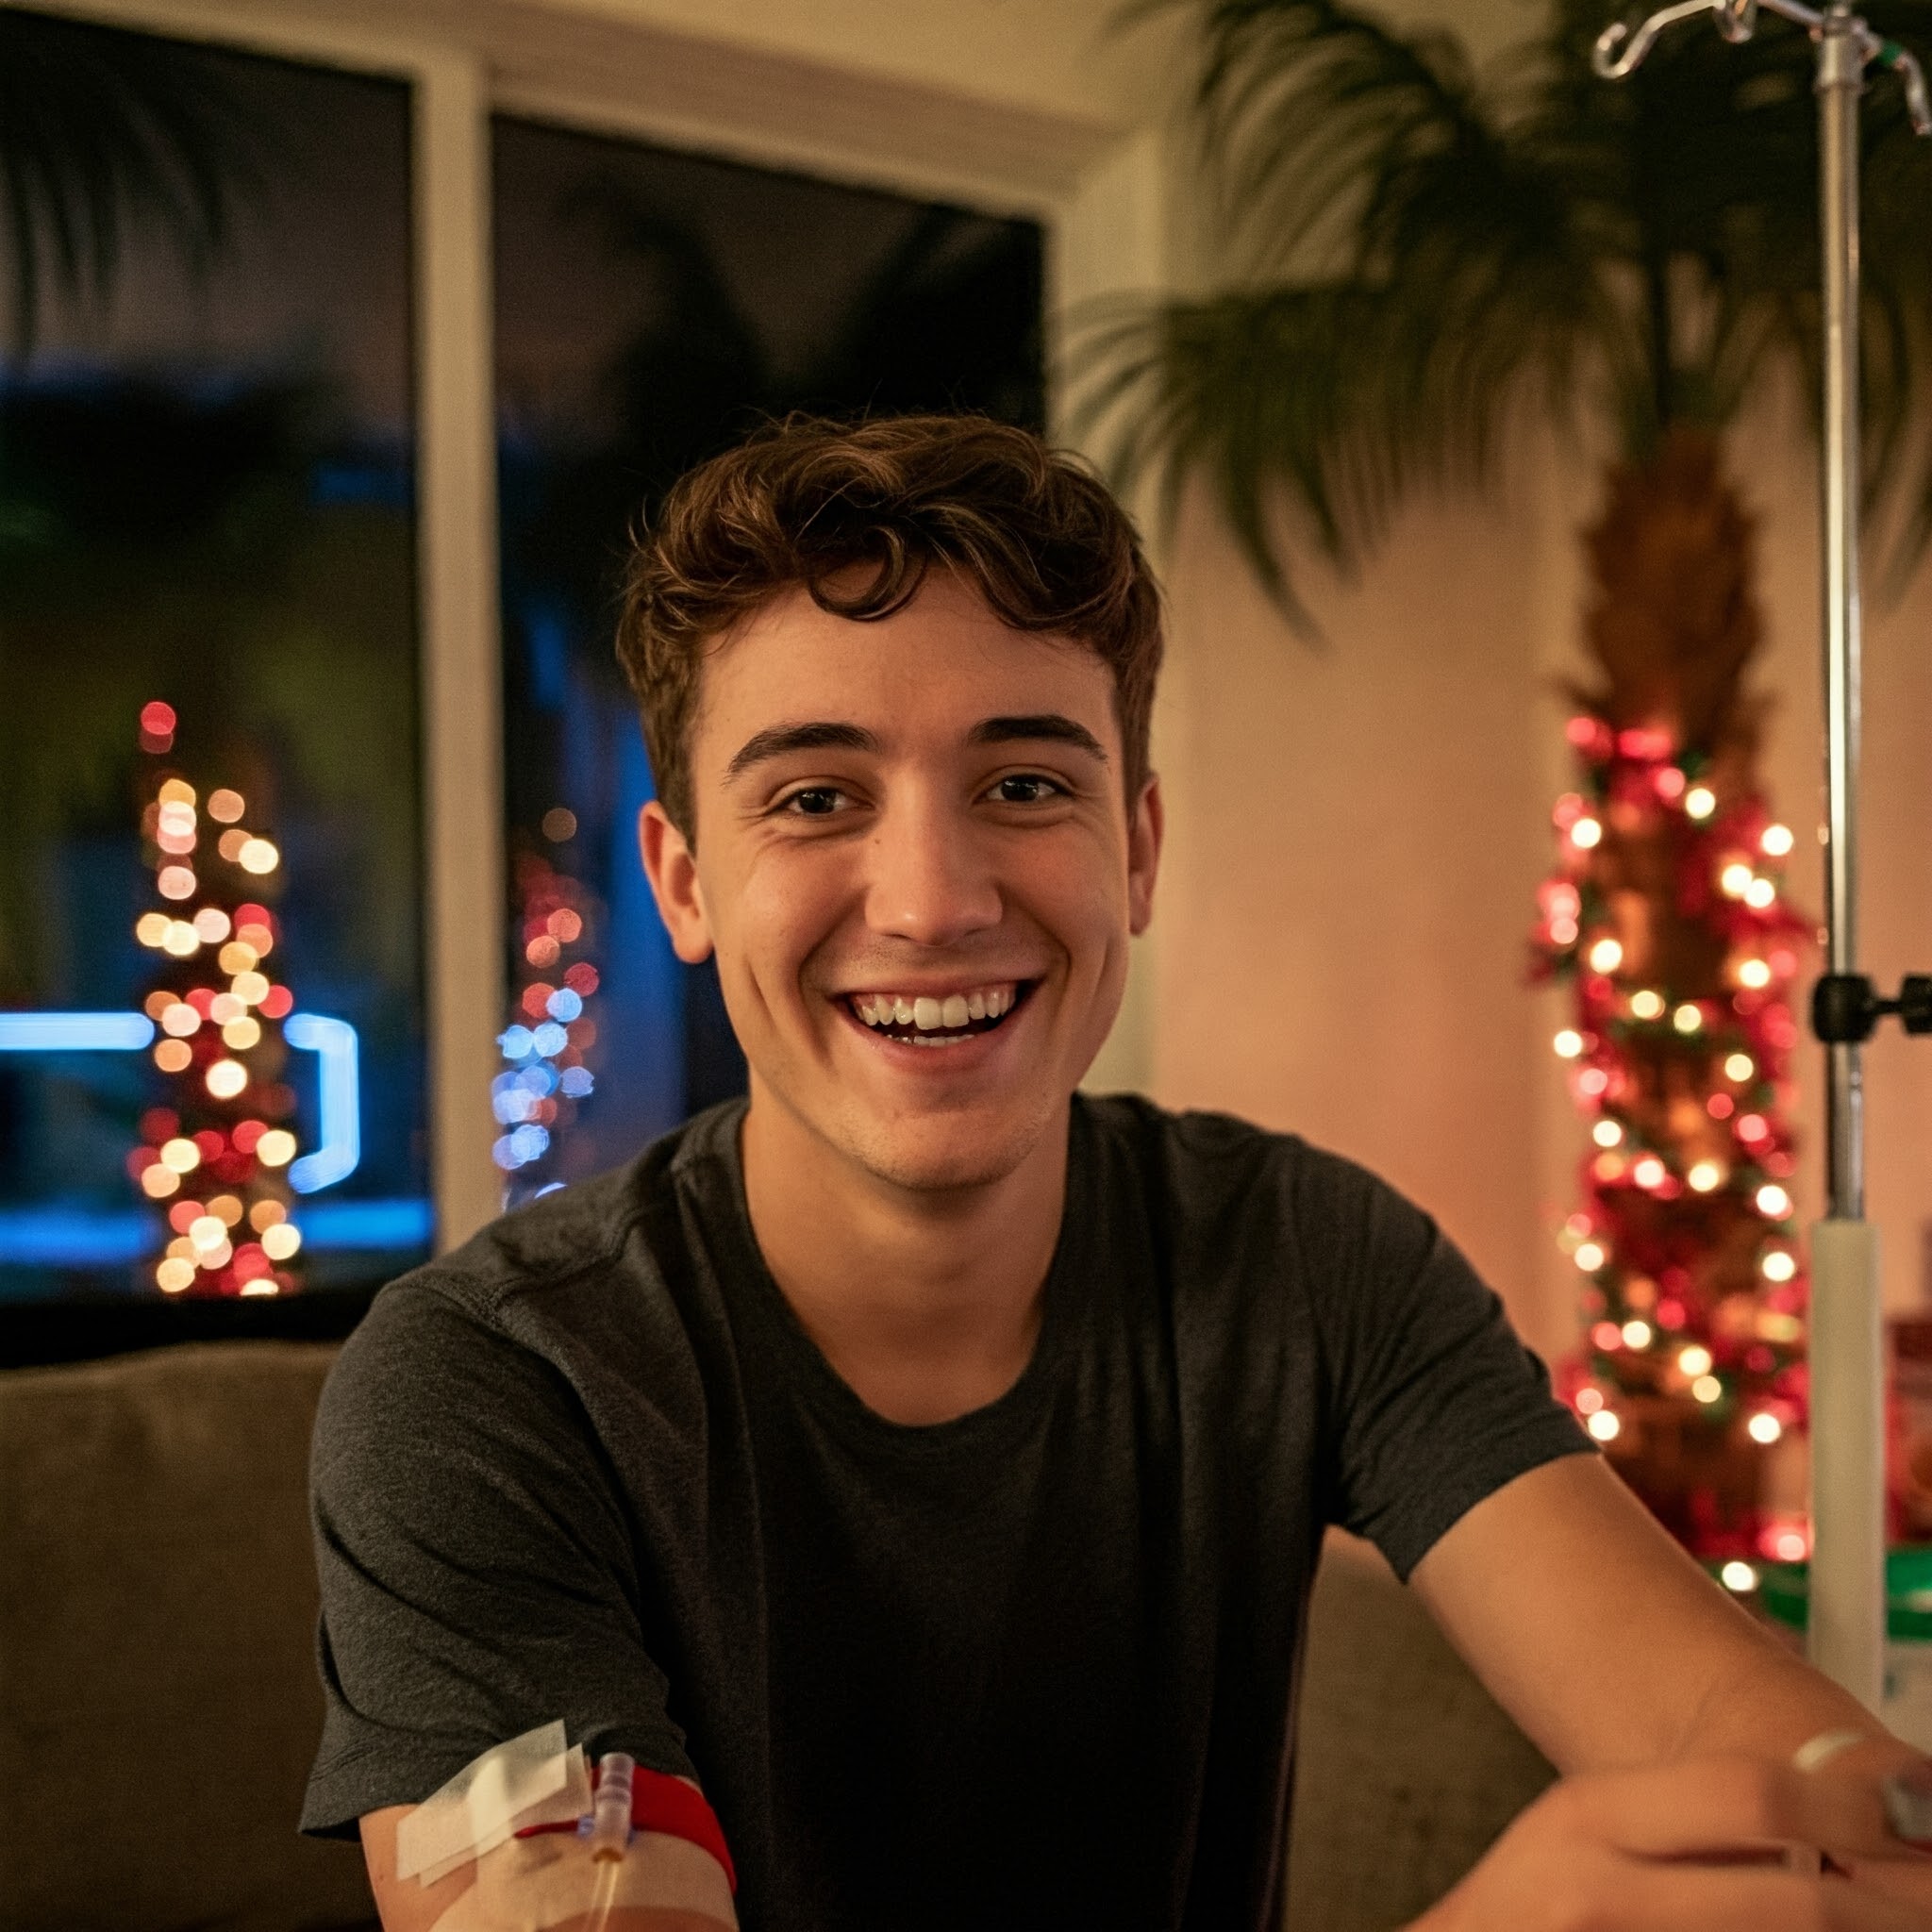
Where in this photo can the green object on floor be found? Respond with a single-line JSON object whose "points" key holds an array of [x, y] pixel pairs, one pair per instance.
{"points": [[1786, 1590]]}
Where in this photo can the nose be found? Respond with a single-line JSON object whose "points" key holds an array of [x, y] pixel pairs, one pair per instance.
{"points": [[931, 879]]}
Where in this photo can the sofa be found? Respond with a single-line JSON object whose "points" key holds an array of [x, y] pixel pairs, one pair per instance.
{"points": [[158, 1702]]}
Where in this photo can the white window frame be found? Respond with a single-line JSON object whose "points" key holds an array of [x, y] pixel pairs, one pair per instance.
{"points": [[1096, 191]]}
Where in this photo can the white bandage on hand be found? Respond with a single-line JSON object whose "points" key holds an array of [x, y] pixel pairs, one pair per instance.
{"points": [[533, 1884]]}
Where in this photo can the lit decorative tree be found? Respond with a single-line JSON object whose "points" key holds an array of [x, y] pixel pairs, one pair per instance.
{"points": [[215, 1155], [550, 1031], [1667, 915]]}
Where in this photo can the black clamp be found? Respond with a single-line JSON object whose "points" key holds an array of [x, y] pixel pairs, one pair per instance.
{"points": [[1845, 1007]]}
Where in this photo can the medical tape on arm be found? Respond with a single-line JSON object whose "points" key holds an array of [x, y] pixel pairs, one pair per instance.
{"points": [[542, 1876], [533, 1884], [530, 1781]]}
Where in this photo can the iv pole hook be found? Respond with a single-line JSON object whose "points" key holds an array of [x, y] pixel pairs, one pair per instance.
{"points": [[1622, 49]]}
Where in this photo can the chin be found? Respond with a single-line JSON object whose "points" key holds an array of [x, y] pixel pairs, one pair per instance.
{"points": [[942, 1153]]}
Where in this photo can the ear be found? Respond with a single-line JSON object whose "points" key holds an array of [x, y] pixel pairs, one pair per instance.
{"points": [[1147, 823], [672, 867]]}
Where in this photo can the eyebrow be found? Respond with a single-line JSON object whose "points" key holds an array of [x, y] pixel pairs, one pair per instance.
{"points": [[1050, 726], [781, 741], [777, 741]]}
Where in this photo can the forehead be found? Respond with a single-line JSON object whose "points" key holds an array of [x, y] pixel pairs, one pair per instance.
{"points": [[933, 669]]}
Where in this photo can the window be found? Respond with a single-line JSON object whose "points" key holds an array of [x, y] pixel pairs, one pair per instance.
{"points": [[216, 445], [208, 669]]}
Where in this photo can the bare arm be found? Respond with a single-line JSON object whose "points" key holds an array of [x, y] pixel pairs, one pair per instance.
{"points": [[1675, 1718], [1606, 1642], [554, 1869]]}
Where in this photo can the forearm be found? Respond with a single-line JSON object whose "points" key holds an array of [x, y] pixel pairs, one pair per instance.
{"points": [[664, 1884], [1770, 1703], [1562, 1570]]}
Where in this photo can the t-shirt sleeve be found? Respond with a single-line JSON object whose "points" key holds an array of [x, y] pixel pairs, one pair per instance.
{"points": [[478, 1576], [1436, 1403]]}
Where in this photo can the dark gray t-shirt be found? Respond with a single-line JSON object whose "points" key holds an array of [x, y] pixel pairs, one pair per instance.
{"points": [[1033, 1667]]}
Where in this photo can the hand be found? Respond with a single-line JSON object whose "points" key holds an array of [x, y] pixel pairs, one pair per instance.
{"points": [[1697, 1847], [1906, 1878]]}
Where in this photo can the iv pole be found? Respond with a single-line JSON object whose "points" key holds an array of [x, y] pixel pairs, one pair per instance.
{"points": [[1847, 1596]]}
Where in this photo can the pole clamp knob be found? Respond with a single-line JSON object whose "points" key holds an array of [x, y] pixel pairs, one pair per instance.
{"points": [[1915, 1002], [1846, 1006]]}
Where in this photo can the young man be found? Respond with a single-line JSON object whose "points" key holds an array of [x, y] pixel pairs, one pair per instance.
{"points": [[928, 1465]]}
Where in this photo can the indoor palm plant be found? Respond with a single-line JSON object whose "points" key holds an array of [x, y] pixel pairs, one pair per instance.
{"points": [[1422, 258]]}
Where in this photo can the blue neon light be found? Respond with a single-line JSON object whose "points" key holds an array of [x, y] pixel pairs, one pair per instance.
{"points": [[401, 1224], [77, 1238], [74, 1032], [334, 1043], [73, 1238]]}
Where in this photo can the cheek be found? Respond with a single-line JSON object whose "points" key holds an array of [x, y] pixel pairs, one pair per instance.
{"points": [[1078, 892], [786, 901]]}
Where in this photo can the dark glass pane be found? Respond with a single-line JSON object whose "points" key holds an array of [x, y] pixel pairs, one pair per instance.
{"points": [[651, 307], [208, 636]]}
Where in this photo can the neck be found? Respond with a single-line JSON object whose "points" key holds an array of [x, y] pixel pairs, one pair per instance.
{"points": [[927, 1302]]}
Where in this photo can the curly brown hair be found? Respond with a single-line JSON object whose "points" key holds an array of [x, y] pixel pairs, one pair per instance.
{"points": [[810, 502]]}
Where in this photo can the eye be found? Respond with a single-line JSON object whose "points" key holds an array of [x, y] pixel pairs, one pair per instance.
{"points": [[1025, 787], [813, 801]]}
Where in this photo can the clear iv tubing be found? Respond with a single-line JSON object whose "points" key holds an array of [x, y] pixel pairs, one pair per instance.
{"points": [[609, 1832]]}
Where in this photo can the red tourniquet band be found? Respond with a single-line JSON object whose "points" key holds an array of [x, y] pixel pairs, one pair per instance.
{"points": [[662, 1803]]}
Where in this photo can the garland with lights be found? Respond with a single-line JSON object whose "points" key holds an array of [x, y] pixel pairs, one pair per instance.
{"points": [[551, 1029], [1667, 917], [213, 1158]]}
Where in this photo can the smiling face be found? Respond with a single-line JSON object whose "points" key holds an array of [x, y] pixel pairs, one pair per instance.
{"points": [[918, 874]]}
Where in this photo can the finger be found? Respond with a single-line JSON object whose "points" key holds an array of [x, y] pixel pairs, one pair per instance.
{"points": [[1688, 1898], [1719, 1805], [1909, 1883], [1908, 1797]]}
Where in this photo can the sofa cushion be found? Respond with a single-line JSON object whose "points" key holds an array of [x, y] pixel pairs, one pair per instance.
{"points": [[1407, 1770], [157, 1606]]}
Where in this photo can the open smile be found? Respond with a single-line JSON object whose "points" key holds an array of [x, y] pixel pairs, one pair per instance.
{"points": [[937, 1020]]}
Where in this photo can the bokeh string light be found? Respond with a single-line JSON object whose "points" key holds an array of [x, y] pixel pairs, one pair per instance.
{"points": [[1666, 917], [212, 1157], [552, 1029]]}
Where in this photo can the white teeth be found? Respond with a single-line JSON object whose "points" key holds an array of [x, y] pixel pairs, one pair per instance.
{"points": [[929, 1014]]}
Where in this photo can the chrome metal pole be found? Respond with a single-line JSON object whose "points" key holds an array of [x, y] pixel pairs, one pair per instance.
{"points": [[1847, 1607], [1841, 82]]}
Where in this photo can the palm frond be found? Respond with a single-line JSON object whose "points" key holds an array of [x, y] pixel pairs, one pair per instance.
{"points": [[103, 132], [1305, 105], [1468, 278], [1337, 400], [1416, 248]]}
